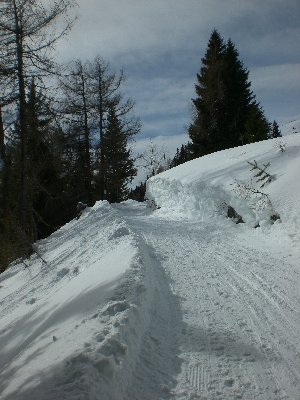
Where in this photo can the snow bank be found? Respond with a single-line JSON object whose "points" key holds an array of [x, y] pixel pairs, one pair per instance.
{"points": [[204, 188], [71, 327]]}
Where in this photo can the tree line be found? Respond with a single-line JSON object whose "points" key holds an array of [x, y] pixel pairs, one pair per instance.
{"points": [[64, 130]]}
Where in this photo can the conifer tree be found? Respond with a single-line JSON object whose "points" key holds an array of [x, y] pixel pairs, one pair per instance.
{"points": [[105, 86], [2, 163], [27, 35], [225, 109], [183, 155], [237, 98], [138, 193], [257, 126], [275, 131], [206, 129], [44, 165], [118, 165]]}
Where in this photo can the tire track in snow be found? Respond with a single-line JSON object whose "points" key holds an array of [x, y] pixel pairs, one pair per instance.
{"points": [[277, 333], [221, 366], [240, 337]]}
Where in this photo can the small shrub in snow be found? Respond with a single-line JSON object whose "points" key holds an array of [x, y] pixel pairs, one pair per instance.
{"points": [[275, 217], [282, 146], [258, 201], [263, 177], [247, 191]]}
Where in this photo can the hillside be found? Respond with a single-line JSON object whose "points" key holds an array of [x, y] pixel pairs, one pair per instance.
{"points": [[172, 301]]}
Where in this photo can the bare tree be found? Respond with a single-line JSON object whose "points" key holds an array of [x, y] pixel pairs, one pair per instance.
{"points": [[76, 107], [154, 159], [106, 94], [90, 91], [27, 36]]}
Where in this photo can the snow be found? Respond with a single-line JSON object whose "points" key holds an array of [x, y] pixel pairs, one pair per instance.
{"points": [[201, 187], [290, 127], [179, 302]]}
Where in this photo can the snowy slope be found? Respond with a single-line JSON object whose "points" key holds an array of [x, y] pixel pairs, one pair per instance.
{"points": [[176, 303], [64, 322], [204, 187], [290, 127]]}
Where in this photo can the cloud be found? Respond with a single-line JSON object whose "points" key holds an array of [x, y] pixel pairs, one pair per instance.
{"points": [[277, 88], [159, 43], [276, 77], [161, 96], [113, 27]]}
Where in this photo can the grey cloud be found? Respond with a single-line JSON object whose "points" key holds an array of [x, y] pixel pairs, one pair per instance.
{"points": [[159, 43]]}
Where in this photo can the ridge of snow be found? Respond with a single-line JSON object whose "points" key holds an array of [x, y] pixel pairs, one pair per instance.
{"points": [[202, 188], [79, 318], [177, 303]]}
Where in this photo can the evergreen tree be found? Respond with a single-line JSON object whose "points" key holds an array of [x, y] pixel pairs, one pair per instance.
{"points": [[275, 131], [225, 107], [206, 129], [27, 34], [138, 193], [118, 165], [3, 166], [90, 91], [44, 165], [105, 86], [257, 126], [183, 155], [237, 98]]}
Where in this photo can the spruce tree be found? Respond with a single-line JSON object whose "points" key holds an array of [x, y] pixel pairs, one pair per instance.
{"points": [[257, 126], [237, 98], [275, 131], [183, 155], [44, 165], [118, 165], [225, 109], [206, 129]]}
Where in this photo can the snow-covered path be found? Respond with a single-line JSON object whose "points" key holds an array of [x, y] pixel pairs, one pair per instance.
{"points": [[235, 325], [179, 303]]}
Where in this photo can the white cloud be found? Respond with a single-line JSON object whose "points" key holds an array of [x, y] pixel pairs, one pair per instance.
{"points": [[276, 77], [160, 43], [111, 27]]}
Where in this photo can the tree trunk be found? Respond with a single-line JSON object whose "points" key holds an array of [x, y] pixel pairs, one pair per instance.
{"points": [[3, 167], [101, 133], [88, 172], [25, 211]]}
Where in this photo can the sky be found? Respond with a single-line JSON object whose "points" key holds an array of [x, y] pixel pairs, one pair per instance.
{"points": [[159, 45]]}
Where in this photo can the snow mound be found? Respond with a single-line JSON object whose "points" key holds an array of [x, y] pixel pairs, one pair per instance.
{"points": [[71, 325], [204, 188]]}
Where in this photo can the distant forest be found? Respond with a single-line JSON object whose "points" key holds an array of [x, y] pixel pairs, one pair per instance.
{"points": [[65, 129]]}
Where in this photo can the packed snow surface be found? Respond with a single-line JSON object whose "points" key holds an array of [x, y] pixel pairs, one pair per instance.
{"points": [[176, 301]]}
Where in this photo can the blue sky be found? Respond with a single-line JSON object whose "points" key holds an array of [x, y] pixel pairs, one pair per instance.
{"points": [[160, 43]]}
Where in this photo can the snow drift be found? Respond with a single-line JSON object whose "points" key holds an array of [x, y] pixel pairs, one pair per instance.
{"points": [[71, 326], [129, 304], [204, 188]]}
